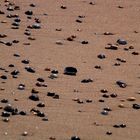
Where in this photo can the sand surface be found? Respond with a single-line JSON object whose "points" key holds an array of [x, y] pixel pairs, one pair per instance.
{"points": [[67, 118]]}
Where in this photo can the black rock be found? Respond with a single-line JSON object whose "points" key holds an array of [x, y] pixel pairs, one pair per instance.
{"points": [[121, 41], [9, 108], [32, 5], [122, 125], [75, 138], [23, 113], [107, 109], [15, 72], [79, 21], [109, 133], [70, 71], [15, 41], [45, 119], [29, 69], [41, 105], [34, 97], [121, 84], [15, 24], [54, 71], [51, 94], [136, 106], [8, 43], [105, 95], [25, 61], [21, 86], [86, 80], [29, 12], [113, 95], [101, 56], [84, 42], [16, 55], [5, 114], [103, 91], [4, 101], [10, 8], [40, 114], [36, 26], [17, 19], [101, 100], [116, 126], [4, 77], [56, 96], [40, 79]]}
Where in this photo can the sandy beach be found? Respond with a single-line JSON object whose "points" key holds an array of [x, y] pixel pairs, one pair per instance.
{"points": [[42, 100]]}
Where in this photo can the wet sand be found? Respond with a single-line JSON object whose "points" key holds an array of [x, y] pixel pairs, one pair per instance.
{"points": [[71, 114]]}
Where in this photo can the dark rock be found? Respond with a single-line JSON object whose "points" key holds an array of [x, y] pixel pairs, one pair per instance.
{"points": [[25, 61], [15, 24], [15, 72], [79, 21], [101, 100], [45, 119], [23, 113], [56, 96], [51, 94], [29, 69], [15, 41], [103, 91], [16, 55], [4, 101], [36, 26], [40, 79], [54, 71], [32, 5], [75, 138], [34, 97], [86, 80], [107, 109], [11, 65], [105, 95], [63, 7], [136, 106], [101, 56], [9, 108], [116, 126], [29, 12], [97, 67], [104, 112], [17, 20], [113, 95], [121, 84], [40, 114], [84, 42], [41, 104], [70, 71], [109, 133], [135, 53], [10, 8], [4, 77], [122, 125], [8, 43], [121, 41], [5, 114], [112, 47]]}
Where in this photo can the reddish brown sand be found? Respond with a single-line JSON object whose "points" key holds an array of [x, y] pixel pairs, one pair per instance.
{"points": [[67, 117]]}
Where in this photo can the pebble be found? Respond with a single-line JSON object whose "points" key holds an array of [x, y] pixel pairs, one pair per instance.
{"points": [[25, 61], [4, 77], [112, 47], [29, 12], [30, 69], [59, 42], [63, 7], [34, 97], [109, 133], [70, 71], [6, 119], [21, 86], [4, 101], [25, 133], [75, 138], [104, 112], [40, 79], [113, 95], [121, 105], [45, 119], [131, 99], [15, 72], [36, 26], [101, 56], [121, 41], [121, 84], [53, 76], [86, 80], [84, 42], [5, 114], [136, 106], [41, 104]]}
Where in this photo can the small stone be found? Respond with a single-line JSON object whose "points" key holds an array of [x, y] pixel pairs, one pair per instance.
{"points": [[131, 99], [53, 75], [122, 125], [25, 61], [16, 55], [29, 12], [56, 96], [79, 21], [4, 101], [75, 138], [45, 119], [15, 72], [84, 42], [97, 67], [25, 133], [51, 94], [34, 97], [34, 91], [41, 104], [121, 105], [116, 126], [101, 56], [104, 112], [54, 71], [40, 80], [101, 100], [15, 24], [109, 133], [107, 109], [4, 77], [36, 26], [5, 114], [8, 44], [121, 84], [136, 106], [11, 65], [15, 41], [63, 7], [113, 95], [32, 5], [70, 71], [112, 47], [86, 80], [135, 53], [121, 41], [23, 113], [29, 69], [6, 120], [21, 86], [105, 95], [40, 114], [108, 33], [59, 42], [89, 100], [103, 90]]}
